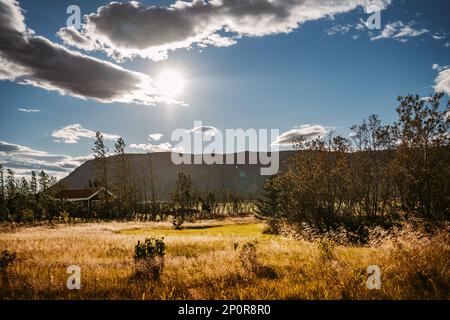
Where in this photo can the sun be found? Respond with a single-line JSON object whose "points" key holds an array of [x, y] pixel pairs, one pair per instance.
{"points": [[170, 83]]}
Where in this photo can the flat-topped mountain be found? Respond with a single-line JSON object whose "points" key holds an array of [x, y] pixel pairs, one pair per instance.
{"points": [[242, 178]]}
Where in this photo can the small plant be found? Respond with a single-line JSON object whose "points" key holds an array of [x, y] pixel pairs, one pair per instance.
{"points": [[64, 216], [149, 258], [326, 248], [248, 256], [28, 215], [249, 260], [178, 221], [7, 258]]}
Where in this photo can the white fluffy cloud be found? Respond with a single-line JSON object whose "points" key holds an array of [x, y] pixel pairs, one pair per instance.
{"points": [[305, 131], [442, 82], [72, 133], [155, 136], [70, 36], [399, 31], [29, 110], [124, 30], [205, 130], [342, 29], [23, 160], [149, 147], [30, 59]]}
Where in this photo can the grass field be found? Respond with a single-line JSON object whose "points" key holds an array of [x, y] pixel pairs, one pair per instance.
{"points": [[202, 263]]}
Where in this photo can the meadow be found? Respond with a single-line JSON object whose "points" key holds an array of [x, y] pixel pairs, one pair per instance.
{"points": [[202, 263]]}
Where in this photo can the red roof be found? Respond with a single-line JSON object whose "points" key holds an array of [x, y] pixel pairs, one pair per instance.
{"points": [[76, 193]]}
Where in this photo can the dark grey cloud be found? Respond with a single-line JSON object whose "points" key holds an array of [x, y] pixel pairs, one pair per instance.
{"points": [[30, 59], [8, 148], [12, 164], [128, 29]]}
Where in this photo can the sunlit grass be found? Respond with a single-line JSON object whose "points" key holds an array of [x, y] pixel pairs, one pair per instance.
{"points": [[201, 263]]}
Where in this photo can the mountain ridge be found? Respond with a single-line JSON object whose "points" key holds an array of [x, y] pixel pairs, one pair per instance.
{"points": [[239, 178]]}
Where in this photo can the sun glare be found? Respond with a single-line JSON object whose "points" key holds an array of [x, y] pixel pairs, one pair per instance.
{"points": [[170, 83]]}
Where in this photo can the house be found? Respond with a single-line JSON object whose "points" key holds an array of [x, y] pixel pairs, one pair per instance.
{"points": [[84, 197]]}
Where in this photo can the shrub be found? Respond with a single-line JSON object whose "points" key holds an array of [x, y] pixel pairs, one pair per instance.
{"points": [[64, 216], [149, 258], [28, 215], [418, 263], [185, 199], [326, 248], [178, 221], [248, 257], [249, 260], [7, 258]]}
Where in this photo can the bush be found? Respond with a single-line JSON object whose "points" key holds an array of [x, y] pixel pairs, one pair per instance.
{"points": [[249, 260], [247, 256], [64, 216], [326, 248], [28, 215], [380, 174], [149, 258], [418, 262], [7, 258]]}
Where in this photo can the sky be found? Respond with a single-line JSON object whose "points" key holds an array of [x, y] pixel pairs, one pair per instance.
{"points": [[142, 69]]}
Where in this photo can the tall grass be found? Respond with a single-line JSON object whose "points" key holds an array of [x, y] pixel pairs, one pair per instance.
{"points": [[203, 263]]}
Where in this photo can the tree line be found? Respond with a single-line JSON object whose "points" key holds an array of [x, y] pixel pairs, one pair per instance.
{"points": [[33, 199], [23, 200], [379, 175]]}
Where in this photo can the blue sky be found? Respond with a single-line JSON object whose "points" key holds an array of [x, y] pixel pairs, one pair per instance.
{"points": [[330, 72]]}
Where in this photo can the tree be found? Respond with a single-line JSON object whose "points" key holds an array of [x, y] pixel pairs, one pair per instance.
{"points": [[185, 198], [423, 155], [371, 178], [3, 208], [152, 187], [34, 193], [269, 205], [11, 192], [43, 181], [24, 188], [123, 185], [10, 184], [33, 183], [2, 184], [209, 204], [100, 154]]}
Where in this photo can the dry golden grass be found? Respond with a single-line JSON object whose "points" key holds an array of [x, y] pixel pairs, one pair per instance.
{"points": [[201, 263]]}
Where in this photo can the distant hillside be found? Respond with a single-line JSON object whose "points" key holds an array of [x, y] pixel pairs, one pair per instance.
{"points": [[238, 178]]}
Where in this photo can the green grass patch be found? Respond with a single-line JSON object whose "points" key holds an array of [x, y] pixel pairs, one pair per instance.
{"points": [[244, 229]]}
